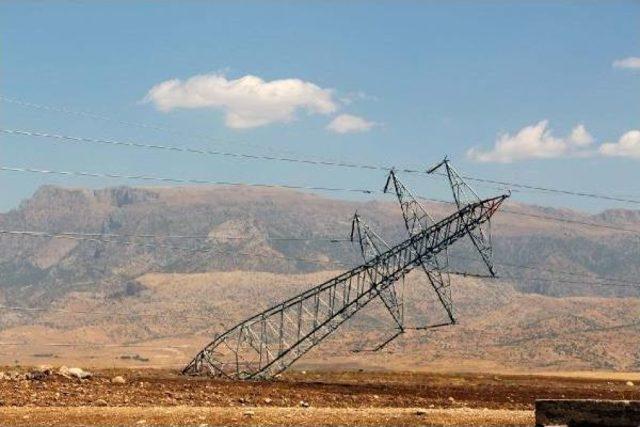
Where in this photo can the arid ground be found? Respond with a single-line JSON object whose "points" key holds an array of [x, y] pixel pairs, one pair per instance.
{"points": [[160, 397]]}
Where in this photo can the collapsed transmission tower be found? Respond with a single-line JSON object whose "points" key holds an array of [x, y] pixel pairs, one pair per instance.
{"points": [[269, 342]]}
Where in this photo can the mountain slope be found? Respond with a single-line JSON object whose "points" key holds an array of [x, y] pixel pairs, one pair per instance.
{"points": [[171, 316], [42, 269]]}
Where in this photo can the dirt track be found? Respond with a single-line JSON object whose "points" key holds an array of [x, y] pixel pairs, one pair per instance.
{"points": [[160, 397]]}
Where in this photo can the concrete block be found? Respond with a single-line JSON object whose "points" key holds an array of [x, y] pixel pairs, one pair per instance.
{"points": [[588, 412]]}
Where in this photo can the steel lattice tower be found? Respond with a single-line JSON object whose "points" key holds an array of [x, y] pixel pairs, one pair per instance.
{"points": [[269, 342]]}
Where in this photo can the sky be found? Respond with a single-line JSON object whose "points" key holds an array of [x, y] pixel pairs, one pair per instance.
{"points": [[533, 92]]}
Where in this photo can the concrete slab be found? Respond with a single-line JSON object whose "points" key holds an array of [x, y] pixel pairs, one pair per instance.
{"points": [[588, 412]]}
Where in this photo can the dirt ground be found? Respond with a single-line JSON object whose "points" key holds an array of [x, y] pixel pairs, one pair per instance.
{"points": [[199, 416], [157, 397]]}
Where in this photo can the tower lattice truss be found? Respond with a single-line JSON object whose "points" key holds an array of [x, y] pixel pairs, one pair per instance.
{"points": [[269, 342]]}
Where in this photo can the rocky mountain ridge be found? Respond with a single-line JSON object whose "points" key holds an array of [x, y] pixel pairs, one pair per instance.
{"points": [[237, 228]]}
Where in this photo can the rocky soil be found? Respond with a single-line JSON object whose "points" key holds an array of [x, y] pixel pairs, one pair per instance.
{"points": [[327, 396], [64, 386], [204, 416]]}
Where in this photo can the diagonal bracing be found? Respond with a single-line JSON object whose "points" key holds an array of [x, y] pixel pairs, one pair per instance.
{"points": [[416, 220], [463, 194], [372, 245]]}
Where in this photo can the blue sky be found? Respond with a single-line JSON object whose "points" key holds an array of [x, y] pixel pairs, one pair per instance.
{"points": [[403, 83]]}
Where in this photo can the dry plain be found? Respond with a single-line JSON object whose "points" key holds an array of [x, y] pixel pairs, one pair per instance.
{"points": [[161, 397]]}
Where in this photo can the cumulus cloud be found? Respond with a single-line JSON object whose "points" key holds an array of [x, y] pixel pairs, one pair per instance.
{"points": [[247, 102], [632, 62], [627, 146], [580, 137], [535, 142], [347, 123]]}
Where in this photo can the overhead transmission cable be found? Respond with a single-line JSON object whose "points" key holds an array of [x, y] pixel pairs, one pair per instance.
{"points": [[177, 148], [174, 148], [174, 247], [103, 117], [595, 280], [509, 265], [100, 236], [573, 282], [147, 126], [544, 217], [35, 233], [178, 180], [295, 187], [102, 313]]}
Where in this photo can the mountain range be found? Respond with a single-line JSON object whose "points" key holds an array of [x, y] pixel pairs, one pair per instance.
{"points": [[195, 258]]}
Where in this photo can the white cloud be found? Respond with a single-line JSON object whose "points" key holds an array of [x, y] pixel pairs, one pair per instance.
{"points": [[247, 102], [535, 142], [627, 146], [347, 123], [580, 137], [632, 62]]}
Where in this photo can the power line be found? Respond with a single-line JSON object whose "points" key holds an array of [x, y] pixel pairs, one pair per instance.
{"points": [[571, 221], [601, 281], [545, 217], [549, 270], [178, 180], [607, 280], [618, 282], [537, 337], [74, 139], [552, 190], [167, 236], [582, 283], [182, 248], [353, 165], [166, 129], [102, 313], [286, 186], [569, 273], [97, 237]]}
